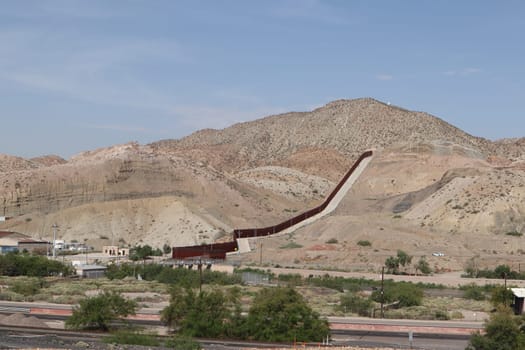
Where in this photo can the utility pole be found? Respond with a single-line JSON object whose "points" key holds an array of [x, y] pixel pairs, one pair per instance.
{"points": [[200, 276], [382, 291], [260, 254], [55, 226]]}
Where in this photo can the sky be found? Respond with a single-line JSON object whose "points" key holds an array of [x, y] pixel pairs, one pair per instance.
{"points": [[79, 75]]}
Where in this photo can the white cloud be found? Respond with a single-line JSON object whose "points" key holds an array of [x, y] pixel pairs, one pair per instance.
{"points": [[313, 10], [214, 117], [384, 77], [123, 128], [463, 72]]}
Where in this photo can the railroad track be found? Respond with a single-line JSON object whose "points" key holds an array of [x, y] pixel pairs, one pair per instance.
{"points": [[15, 337]]}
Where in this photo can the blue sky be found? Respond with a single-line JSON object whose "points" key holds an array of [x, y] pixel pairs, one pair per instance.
{"points": [[78, 75]]}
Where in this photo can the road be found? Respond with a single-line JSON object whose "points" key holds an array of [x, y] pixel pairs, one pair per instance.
{"points": [[346, 331]]}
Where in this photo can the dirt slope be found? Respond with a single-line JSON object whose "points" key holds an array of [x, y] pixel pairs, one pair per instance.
{"points": [[430, 187]]}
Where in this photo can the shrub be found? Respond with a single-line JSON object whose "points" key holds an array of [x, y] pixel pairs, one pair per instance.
{"points": [[15, 264], [364, 243], [282, 315], [292, 279], [27, 287], [501, 296], [131, 338], [406, 294], [351, 302], [100, 311], [291, 245], [514, 233], [332, 241], [423, 267], [502, 332], [207, 314], [473, 292], [441, 315], [180, 342]]}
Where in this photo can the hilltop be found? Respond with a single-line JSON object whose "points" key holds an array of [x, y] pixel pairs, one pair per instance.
{"points": [[430, 186]]}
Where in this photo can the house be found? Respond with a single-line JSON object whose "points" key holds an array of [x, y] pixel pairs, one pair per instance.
{"points": [[14, 241], [8, 242]]}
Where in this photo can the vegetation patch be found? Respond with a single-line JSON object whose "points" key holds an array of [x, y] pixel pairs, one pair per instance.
{"points": [[131, 338], [514, 233], [291, 245], [364, 243]]}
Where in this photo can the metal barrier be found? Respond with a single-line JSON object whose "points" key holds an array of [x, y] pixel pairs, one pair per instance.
{"points": [[219, 250]]}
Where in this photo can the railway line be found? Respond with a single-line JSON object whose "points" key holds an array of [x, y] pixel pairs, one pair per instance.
{"points": [[16, 337]]}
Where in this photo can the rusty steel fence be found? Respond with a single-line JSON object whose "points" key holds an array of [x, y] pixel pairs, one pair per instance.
{"points": [[219, 250]]}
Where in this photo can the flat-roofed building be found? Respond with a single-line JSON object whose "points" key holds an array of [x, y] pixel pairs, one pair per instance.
{"points": [[91, 271], [13, 241]]}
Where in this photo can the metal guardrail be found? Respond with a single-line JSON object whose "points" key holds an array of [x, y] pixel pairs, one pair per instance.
{"points": [[14, 309]]}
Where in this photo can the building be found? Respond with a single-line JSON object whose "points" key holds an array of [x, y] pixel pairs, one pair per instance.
{"points": [[34, 246], [113, 250], [14, 241], [91, 271], [519, 297]]}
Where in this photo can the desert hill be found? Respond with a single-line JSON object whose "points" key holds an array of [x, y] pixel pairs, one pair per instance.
{"points": [[429, 187], [341, 130]]}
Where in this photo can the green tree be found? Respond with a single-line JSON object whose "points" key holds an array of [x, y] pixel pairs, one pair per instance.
{"points": [[207, 314], [403, 258], [502, 332], [423, 267], [282, 314], [166, 249], [99, 311], [392, 265]]}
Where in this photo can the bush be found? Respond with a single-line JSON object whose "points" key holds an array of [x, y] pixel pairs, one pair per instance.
{"points": [[351, 302], [100, 311], [514, 233], [282, 315], [406, 294], [207, 314], [502, 332], [393, 263], [15, 264], [473, 292], [332, 241], [27, 287], [131, 338], [423, 267], [291, 279], [291, 245], [181, 342], [501, 296], [364, 243]]}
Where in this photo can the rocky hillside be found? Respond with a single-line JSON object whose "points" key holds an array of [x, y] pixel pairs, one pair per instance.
{"points": [[343, 127], [197, 189]]}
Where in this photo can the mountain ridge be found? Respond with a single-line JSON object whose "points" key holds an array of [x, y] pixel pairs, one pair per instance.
{"points": [[198, 188]]}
